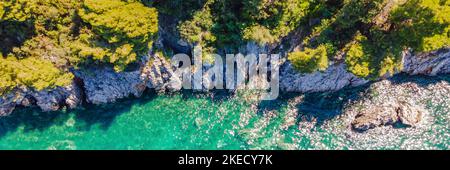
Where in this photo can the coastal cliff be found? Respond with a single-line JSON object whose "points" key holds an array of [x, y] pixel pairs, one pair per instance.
{"points": [[102, 84]]}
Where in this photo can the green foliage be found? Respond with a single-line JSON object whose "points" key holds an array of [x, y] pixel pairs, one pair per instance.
{"points": [[198, 29], [343, 25], [225, 24], [33, 37], [56, 35], [357, 59], [42, 39], [110, 31], [180, 9], [310, 60], [275, 19], [124, 30], [2, 10], [422, 24], [259, 34], [39, 74], [374, 33]]}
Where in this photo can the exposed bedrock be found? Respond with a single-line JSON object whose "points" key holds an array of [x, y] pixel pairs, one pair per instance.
{"points": [[337, 77], [103, 85], [388, 114], [387, 103], [432, 63], [48, 100], [334, 78]]}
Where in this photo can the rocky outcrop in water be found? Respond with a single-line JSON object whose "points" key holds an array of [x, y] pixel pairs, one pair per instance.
{"points": [[389, 102], [388, 114], [96, 85], [102, 85]]}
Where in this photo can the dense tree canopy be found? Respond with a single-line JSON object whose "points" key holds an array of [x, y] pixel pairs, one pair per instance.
{"points": [[374, 33], [55, 35], [219, 23], [39, 74], [122, 30], [368, 35]]}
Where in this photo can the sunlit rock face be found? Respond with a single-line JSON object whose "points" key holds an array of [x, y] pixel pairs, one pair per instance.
{"points": [[337, 77], [104, 85], [334, 78], [159, 74], [432, 63], [389, 114]]}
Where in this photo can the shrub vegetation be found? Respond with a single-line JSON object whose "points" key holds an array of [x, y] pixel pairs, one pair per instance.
{"points": [[42, 39]]}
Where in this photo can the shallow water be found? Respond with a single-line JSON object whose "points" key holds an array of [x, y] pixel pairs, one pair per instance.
{"points": [[196, 121]]}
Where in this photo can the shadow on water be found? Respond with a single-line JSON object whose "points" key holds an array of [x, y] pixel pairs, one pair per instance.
{"points": [[102, 116], [322, 106], [328, 105], [105, 115], [420, 80], [317, 107], [32, 119]]}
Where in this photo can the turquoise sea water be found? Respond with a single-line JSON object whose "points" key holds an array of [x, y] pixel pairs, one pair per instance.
{"points": [[198, 121]]}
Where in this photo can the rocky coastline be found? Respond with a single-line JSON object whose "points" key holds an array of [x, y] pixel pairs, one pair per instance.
{"points": [[101, 85]]}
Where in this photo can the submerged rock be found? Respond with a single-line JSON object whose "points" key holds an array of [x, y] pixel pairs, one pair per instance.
{"points": [[409, 114]]}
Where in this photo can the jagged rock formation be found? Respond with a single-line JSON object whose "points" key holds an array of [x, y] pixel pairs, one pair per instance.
{"points": [[334, 78], [388, 114], [103, 85], [100, 85], [337, 77], [47, 100], [388, 103], [433, 63], [159, 75]]}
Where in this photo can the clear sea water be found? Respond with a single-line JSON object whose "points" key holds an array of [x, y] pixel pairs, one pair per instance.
{"points": [[198, 121]]}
